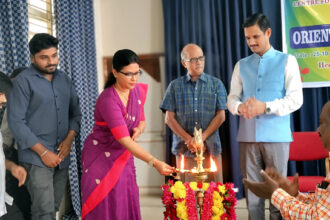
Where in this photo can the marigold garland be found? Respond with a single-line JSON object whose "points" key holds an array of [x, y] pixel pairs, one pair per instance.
{"points": [[180, 202]]}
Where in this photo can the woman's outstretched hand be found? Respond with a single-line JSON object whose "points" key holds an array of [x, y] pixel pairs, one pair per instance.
{"points": [[163, 168]]}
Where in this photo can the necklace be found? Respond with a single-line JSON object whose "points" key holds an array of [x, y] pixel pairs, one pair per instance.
{"points": [[122, 95], [124, 99]]}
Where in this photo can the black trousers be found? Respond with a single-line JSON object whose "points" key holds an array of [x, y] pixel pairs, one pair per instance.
{"points": [[13, 213]]}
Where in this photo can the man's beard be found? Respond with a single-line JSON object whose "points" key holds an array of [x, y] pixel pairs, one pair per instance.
{"points": [[45, 71], [3, 105]]}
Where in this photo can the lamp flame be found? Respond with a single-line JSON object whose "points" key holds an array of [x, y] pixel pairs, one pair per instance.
{"points": [[213, 165], [182, 163]]}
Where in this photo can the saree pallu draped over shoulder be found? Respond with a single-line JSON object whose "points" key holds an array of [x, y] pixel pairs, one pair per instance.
{"points": [[108, 185]]}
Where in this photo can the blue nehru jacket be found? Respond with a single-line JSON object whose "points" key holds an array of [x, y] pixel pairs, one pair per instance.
{"points": [[264, 78], [195, 105], [42, 111]]}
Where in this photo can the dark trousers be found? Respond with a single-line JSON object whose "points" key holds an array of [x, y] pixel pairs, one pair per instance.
{"points": [[13, 213], [20, 195], [46, 187]]}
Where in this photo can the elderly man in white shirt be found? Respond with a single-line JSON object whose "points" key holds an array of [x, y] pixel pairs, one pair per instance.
{"points": [[265, 88]]}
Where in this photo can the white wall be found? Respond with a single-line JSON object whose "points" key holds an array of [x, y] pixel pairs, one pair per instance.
{"points": [[136, 25], [132, 24], [152, 140]]}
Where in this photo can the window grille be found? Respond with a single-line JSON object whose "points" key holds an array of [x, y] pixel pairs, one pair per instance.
{"points": [[41, 17]]}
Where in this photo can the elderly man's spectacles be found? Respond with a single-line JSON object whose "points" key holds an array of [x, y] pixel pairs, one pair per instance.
{"points": [[131, 75], [195, 59]]}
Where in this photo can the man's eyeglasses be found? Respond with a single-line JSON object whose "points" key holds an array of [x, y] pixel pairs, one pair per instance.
{"points": [[131, 75], [195, 59]]}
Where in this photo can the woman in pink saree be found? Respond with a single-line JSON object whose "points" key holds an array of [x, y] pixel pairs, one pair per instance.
{"points": [[108, 185]]}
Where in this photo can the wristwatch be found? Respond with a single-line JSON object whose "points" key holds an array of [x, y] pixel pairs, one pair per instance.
{"points": [[267, 110]]}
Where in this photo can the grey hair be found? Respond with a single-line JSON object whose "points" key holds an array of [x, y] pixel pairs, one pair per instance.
{"points": [[183, 54]]}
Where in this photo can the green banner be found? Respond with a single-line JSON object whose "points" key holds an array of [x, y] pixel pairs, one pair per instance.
{"points": [[306, 35]]}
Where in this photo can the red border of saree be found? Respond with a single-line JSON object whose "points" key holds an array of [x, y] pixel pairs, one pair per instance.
{"points": [[106, 185]]}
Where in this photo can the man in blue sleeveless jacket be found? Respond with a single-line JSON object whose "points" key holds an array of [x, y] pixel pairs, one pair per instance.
{"points": [[265, 88]]}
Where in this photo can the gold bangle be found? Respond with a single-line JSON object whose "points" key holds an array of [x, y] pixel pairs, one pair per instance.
{"points": [[151, 162]]}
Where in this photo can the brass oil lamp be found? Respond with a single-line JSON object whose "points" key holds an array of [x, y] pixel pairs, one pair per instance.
{"points": [[200, 173]]}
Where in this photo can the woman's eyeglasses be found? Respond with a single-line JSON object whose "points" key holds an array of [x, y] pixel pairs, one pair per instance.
{"points": [[131, 75]]}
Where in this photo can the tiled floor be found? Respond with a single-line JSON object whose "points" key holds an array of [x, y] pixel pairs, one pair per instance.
{"points": [[152, 208]]}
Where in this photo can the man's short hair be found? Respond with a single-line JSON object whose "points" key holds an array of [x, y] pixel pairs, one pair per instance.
{"points": [[5, 83], [184, 54], [42, 41], [259, 19]]}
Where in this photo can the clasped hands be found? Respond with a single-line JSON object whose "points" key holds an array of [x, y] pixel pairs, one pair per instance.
{"points": [[251, 108], [272, 181], [51, 159], [190, 143]]}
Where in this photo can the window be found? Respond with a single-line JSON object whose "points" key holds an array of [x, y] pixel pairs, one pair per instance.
{"points": [[41, 17]]}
